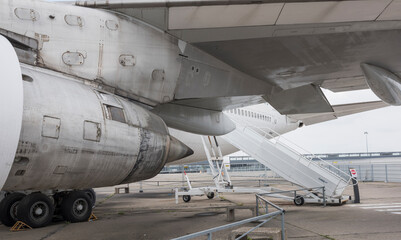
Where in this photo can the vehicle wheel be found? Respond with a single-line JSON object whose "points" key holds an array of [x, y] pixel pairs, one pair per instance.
{"points": [[186, 198], [92, 196], [76, 207], [210, 195], [299, 201], [36, 210], [8, 208]]}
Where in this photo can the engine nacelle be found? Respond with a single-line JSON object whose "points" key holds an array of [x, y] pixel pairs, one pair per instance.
{"points": [[385, 84], [10, 105], [74, 136]]}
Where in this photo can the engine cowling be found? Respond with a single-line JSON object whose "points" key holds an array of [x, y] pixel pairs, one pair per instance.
{"points": [[11, 99], [74, 136]]}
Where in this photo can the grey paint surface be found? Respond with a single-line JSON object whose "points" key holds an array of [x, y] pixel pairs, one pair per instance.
{"points": [[298, 60], [53, 143]]}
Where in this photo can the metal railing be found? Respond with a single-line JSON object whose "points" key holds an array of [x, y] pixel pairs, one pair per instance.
{"points": [[375, 172], [262, 218], [276, 138]]}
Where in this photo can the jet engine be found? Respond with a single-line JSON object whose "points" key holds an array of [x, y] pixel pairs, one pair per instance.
{"points": [[59, 132]]}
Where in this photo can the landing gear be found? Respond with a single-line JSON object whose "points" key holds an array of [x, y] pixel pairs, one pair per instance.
{"points": [[36, 210], [186, 198], [299, 201], [76, 207], [8, 208], [92, 195], [210, 195]]}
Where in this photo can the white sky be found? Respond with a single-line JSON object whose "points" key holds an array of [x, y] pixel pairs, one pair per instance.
{"points": [[346, 134]]}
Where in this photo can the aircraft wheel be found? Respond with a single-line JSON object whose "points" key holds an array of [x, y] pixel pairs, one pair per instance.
{"points": [[36, 210], [210, 195], [299, 201], [92, 195], [76, 207], [186, 198], [8, 208]]}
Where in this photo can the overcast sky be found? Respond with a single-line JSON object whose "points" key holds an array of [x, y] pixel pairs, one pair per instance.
{"points": [[346, 134]]}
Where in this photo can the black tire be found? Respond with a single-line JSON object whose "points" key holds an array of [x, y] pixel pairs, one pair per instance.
{"points": [[299, 201], [8, 208], [36, 210], [92, 195], [76, 207], [210, 195], [186, 198]]}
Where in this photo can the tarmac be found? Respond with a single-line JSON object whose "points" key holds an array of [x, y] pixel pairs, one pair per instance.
{"points": [[154, 214]]}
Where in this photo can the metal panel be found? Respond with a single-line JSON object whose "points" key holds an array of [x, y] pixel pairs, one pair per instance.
{"points": [[305, 99], [195, 120], [339, 111], [27, 14], [334, 11], [345, 84], [223, 16], [112, 25], [73, 58], [127, 60], [51, 127], [92, 131], [74, 20], [392, 12]]}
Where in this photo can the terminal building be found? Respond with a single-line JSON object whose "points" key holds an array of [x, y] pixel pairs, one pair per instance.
{"points": [[374, 166]]}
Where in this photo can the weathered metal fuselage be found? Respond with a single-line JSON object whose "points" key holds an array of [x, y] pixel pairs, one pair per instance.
{"points": [[95, 45], [128, 57], [138, 60], [69, 139]]}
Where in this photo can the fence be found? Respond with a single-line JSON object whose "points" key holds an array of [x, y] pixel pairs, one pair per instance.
{"points": [[375, 172], [366, 172], [260, 201]]}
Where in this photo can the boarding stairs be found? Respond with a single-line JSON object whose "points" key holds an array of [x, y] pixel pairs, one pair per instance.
{"points": [[283, 157], [214, 156]]}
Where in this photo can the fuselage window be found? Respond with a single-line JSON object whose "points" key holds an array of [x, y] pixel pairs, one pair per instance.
{"points": [[115, 114]]}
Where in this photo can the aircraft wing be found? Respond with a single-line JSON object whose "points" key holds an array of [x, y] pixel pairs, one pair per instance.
{"points": [[339, 111], [295, 47]]}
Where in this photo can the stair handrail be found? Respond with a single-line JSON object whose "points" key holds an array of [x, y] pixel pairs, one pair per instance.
{"points": [[346, 179]]}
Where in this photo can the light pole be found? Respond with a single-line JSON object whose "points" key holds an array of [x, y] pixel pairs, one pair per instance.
{"points": [[366, 137]]}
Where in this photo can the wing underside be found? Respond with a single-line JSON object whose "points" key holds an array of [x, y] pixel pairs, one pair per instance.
{"points": [[339, 111], [289, 44]]}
